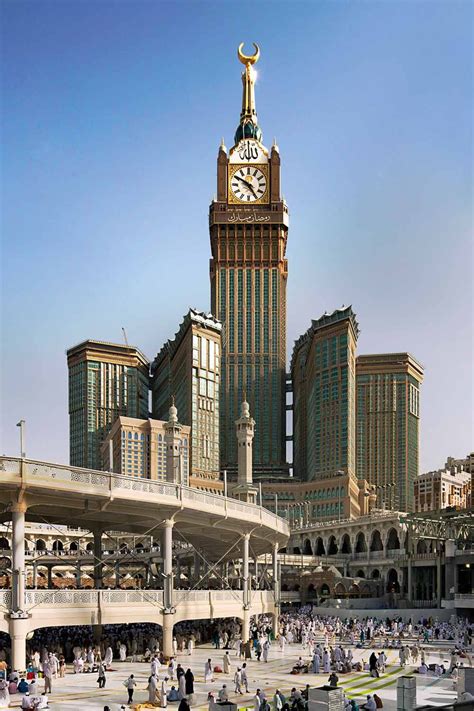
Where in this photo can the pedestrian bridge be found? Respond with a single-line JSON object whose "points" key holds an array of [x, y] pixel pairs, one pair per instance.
{"points": [[55, 608]]}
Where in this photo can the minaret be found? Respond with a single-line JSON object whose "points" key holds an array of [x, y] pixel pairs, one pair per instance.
{"points": [[174, 465], [245, 428]]}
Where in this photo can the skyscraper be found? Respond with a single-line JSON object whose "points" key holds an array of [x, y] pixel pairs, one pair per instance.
{"points": [[323, 377], [188, 369], [388, 417], [248, 230], [106, 380]]}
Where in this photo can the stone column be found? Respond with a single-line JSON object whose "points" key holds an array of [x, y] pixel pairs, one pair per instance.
{"points": [[167, 553], [49, 569], [18, 556], [78, 575], [168, 610], [245, 569], [168, 635], [97, 558], [117, 573], [256, 573], [18, 628], [276, 590]]}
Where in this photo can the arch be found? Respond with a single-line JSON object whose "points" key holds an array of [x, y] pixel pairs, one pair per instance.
{"points": [[90, 547], [40, 544], [319, 547], [57, 546], [307, 550], [284, 587], [376, 541], [392, 581], [340, 590], [421, 546], [365, 590], [296, 588], [139, 547], [324, 591], [360, 573], [393, 541], [346, 546], [74, 546], [4, 544], [332, 546], [361, 543], [311, 590], [375, 575], [296, 550], [354, 590]]}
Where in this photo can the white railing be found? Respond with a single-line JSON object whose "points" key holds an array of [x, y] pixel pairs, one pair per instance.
{"points": [[80, 598], [110, 482]]}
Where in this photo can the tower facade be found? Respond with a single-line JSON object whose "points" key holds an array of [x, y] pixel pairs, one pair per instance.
{"points": [[248, 224], [388, 425], [323, 375], [106, 380], [188, 369]]}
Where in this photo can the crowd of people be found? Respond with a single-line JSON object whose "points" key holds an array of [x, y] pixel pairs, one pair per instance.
{"points": [[328, 645]]}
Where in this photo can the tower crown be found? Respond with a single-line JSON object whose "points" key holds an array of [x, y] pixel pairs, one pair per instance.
{"points": [[248, 127]]}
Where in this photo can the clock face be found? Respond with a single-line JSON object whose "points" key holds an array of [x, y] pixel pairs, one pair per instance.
{"points": [[248, 183]]}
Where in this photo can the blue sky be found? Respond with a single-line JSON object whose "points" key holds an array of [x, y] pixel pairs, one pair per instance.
{"points": [[113, 113]]}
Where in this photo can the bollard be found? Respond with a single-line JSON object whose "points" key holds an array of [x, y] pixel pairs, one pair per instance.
{"points": [[325, 698], [406, 693]]}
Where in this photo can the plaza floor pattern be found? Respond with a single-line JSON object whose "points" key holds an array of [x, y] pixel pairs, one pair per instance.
{"points": [[79, 691]]}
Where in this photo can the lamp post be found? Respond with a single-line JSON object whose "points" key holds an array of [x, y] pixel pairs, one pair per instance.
{"points": [[21, 424]]}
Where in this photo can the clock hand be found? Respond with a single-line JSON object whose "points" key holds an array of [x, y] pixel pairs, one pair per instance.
{"points": [[248, 185]]}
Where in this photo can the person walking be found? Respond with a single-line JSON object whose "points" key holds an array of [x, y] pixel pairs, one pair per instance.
{"points": [[208, 675], [101, 678], [189, 676], [245, 680], [238, 680], [130, 685], [48, 677], [226, 663]]}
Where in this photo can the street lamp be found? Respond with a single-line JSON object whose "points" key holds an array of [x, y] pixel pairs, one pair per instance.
{"points": [[21, 424]]}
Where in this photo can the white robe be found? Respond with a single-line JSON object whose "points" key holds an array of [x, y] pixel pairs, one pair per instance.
{"points": [[164, 692], [182, 687], [123, 653], [152, 687], [4, 695], [226, 665], [207, 672], [109, 655]]}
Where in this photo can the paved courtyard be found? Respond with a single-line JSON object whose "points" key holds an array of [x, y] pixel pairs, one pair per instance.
{"points": [[80, 691]]}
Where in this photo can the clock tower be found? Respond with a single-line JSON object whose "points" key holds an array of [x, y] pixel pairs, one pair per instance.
{"points": [[248, 223]]}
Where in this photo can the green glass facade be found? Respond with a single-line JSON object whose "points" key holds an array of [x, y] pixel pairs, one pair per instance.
{"points": [[100, 390], [388, 416], [323, 376], [249, 302]]}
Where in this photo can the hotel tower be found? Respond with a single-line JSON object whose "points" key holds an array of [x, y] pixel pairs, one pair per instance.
{"points": [[248, 223]]}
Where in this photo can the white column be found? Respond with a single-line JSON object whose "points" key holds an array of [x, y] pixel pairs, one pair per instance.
{"points": [[168, 635], [18, 629], [276, 590], [18, 556], [167, 554], [245, 569]]}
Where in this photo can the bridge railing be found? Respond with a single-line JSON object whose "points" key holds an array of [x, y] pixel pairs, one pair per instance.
{"points": [[109, 482]]}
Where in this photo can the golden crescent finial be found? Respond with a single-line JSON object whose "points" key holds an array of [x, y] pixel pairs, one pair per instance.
{"points": [[252, 59]]}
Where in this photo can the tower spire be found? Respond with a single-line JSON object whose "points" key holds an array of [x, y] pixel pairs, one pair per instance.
{"points": [[248, 127]]}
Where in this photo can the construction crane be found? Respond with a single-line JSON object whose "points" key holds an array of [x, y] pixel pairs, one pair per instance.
{"points": [[125, 336]]}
